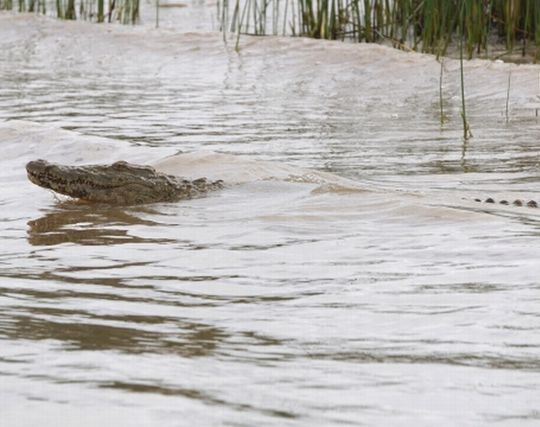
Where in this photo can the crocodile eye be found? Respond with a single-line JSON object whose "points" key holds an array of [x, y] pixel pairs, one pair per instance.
{"points": [[49, 168], [121, 164]]}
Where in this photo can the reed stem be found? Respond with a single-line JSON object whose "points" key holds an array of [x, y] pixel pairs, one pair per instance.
{"points": [[441, 93], [508, 94], [466, 129]]}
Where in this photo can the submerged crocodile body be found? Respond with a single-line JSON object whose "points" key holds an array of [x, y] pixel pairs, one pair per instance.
{"points": [[124, 183], [120, 183]]}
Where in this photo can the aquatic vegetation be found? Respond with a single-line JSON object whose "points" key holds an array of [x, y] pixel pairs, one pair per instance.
{"points": [[24, 5], [124, 11], [431, 26], [490, 28], [462, 28], [466, 129]]}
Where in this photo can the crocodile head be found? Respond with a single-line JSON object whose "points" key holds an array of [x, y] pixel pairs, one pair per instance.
{"points": [[118, 183]]}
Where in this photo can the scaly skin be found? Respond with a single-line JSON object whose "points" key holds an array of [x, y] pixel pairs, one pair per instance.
{"points": [[517, 202], [121, 183]]}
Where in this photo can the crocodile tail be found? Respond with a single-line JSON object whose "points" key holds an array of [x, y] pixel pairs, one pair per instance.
{"points": [[517, 202]]}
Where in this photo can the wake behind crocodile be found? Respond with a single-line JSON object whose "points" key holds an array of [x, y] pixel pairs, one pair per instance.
{"points": [[32, 141], [270, 179], [314, 192]]}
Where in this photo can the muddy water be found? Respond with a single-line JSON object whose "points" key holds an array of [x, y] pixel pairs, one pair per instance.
{"points": [[343, 276]]}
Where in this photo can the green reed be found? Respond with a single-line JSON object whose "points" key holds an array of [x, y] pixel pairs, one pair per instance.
{"points": [[461, 34], [124, 11], [508, 95], [24, 5], [441, 104], [424, 25]]}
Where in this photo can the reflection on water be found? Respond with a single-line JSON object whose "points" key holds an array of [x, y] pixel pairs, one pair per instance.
{"points": [[86, 224], [274, 302], [91, 332]]}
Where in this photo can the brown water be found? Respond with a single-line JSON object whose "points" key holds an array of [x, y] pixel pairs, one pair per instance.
{"points": [[344, 276]]}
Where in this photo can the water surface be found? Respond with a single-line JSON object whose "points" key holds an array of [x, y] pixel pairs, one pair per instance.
{"points": [[344, 276]]}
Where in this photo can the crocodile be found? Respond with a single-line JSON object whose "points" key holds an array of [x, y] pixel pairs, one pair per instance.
{"points": [[124, 183], [119, 183]]}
